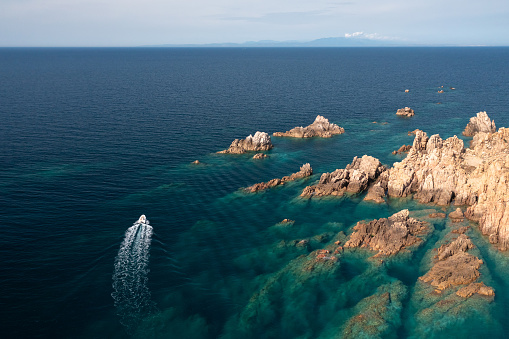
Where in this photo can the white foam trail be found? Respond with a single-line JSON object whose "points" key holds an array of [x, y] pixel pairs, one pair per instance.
{"points": [[132, 296]]}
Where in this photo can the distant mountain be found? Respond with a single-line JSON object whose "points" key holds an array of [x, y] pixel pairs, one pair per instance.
{"points": [[323, 42]]}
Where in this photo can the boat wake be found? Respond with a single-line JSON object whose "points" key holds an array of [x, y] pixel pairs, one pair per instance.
{"points": [[132, 296]]}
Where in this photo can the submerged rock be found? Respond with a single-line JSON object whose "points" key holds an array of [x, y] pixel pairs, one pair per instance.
{"points": [[259, 142], [355, 178], [406, 112], [305, 171], [479, 123], [388, 235], [321, 127], [436, 215], [379, 315]]}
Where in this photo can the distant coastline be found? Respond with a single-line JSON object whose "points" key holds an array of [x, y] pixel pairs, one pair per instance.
{"points": [[322, 42]]}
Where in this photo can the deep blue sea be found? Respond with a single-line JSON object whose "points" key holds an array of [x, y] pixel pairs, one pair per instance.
{"points": [[90, 139]]}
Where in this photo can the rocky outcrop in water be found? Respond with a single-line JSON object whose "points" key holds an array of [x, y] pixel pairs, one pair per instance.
{"points": [[406, 112], [305, 171], [355, 178], [454, 266], [480, 123], [260, 156], [402, 149], [259, 142], [443, 172], [388, 235], [473, 288], [321, 127]]}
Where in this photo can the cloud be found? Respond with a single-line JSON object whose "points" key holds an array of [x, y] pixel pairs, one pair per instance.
{"points": [[370, 36]]}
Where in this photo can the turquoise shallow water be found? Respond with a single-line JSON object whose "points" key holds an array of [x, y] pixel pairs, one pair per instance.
{"points": [[93, 138]]}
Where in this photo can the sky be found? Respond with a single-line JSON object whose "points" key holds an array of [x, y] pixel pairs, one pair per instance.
{"points": [[152, 22]]}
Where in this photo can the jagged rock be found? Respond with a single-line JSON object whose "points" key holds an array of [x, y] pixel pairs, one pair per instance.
{"points": [[457, 215], [402, 149], [407, 112], [441, 171], [454, 265], [436, 215], [354, 178], [259, 142], [260, 156], [413, 132], [480, 123], [388, 235], [321, 127], [479, 288], [460, 244], [305, 171]]}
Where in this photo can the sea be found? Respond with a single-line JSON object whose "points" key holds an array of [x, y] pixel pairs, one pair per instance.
{"points": [[92, 138]]}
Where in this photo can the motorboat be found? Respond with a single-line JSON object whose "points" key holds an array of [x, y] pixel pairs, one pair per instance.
{"points": [[142, 220]]}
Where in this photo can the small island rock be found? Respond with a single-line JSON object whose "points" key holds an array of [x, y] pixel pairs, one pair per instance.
{"points": [[260, 156], [407, 112], [388, 235], [259, 142], [321, 127]]}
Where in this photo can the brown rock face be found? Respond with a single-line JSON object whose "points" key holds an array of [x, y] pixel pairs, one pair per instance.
{"points": [[480, 288], [388, 235], [480, 123], [457, 215], [354, 178], [260, 156], [259, 142], [321, 127], [443, 171], [305, 171], [406, 112], [455, 266], [403, 149]]}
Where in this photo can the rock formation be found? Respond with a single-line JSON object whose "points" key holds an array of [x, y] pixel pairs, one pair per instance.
{"points": [[321, 127], [407, 112], [402, 149], [480, 123], [443, 171], [355, 178], [479, 288], [305, 171], [454, 266], [260, 156], [456, 216], [259, 142], [388, 235]]}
